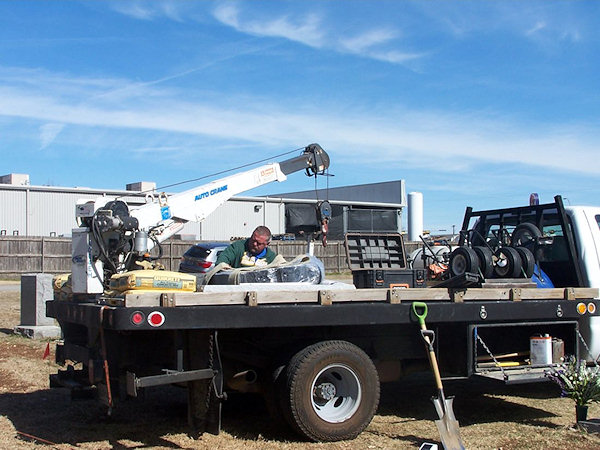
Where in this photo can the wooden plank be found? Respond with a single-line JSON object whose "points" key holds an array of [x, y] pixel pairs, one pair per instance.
{"points": [[359, 295], [286, 296], [483, 294], [325, 297], [186, 298], [422, 295], [586, 293]]}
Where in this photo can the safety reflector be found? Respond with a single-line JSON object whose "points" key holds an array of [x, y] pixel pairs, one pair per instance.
{"points": [[137, 318], [156, 319], [581, 308], [591, 308]]}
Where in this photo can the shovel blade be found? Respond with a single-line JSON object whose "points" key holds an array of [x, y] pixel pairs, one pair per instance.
{"points": [[447, 425], [449, 434]]}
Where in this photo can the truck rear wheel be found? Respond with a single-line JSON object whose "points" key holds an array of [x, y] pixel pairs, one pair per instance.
{"points": [[330, 392]]}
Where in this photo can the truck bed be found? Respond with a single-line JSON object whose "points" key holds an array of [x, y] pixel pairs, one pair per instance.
{"points": [[289, 308]]}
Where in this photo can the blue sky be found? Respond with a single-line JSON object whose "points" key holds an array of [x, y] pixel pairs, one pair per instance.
{"points": [[472, 103]]}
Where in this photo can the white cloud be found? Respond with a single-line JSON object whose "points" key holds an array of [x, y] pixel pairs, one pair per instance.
{"points": [[146, 10], [49, 132], [366, 40], [313, 31], [393, 138], [540, 25], [135, 9], [307, 30]]}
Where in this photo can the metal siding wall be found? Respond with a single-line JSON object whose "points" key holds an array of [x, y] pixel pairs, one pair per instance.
{"points": [[192, 230], [51, 213], [12, 215], [53, 210], [35, 212], [238, 219]]}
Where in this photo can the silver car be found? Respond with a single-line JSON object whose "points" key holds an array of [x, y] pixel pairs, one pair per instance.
{"points": [[200, 258]]}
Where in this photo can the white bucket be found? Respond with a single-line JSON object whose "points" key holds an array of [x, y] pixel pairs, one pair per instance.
{"points": [[540, 349]]}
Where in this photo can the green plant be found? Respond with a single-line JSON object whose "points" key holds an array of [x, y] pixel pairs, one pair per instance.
{"points": [[577, 381]]}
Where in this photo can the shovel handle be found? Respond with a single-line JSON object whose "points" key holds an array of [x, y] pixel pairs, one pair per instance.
{"points": [[417, 307]]}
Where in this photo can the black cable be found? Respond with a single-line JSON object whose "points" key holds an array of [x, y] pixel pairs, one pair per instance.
{"points": [[160, 249], [101, 244], [219, 173]]}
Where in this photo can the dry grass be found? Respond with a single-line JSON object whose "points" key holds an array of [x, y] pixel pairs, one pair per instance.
{"points": [[492, 416]]}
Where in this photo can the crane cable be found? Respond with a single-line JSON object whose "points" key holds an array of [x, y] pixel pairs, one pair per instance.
{"points": [[222, 171]]}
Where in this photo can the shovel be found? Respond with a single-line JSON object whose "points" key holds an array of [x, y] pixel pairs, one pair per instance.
{"points": [[447, 425]]}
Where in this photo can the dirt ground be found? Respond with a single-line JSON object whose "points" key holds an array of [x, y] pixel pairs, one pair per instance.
{"points": [[491, 415]]}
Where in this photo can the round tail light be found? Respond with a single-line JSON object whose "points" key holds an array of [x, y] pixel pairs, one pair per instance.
{"points": [[137, 317], [156, 319]]}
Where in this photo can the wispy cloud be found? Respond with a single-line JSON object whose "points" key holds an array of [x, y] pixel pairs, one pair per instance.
{"points": [[48, 133], [538, 26], [362, 42], [312, 30], [144, 10], [393, 138], [307, 30]]}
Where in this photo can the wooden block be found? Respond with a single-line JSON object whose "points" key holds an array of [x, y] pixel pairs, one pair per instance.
{"points": [[252, 298], [325, 298], [515, 294]]}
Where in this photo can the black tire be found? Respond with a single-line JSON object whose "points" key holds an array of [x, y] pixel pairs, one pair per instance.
{"points": [[486, 261], [331, 391], [525, 235], [462, 260], [508, 263], [527, 261]]}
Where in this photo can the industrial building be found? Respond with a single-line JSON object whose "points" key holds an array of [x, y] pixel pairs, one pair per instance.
{"points": [[27, 210]]}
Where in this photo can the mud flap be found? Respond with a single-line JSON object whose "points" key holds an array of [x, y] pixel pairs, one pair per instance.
{"points": [[204, 396]]}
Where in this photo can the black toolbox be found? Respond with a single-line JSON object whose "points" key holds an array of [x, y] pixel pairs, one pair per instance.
{"points": [[401, 278], [379, 261]]}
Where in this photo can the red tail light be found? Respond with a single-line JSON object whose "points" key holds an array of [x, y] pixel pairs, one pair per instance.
{"points": [[204, 264], [156, 319], [137, 317]]}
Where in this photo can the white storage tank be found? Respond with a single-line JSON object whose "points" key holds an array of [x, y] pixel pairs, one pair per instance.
{"points": [[415, 216]]}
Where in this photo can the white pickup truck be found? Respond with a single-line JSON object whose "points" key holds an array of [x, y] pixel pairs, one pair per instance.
{"points": [[565, 241]]}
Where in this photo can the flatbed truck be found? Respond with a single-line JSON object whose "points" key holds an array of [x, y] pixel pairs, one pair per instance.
{"points": [[318, 355]]}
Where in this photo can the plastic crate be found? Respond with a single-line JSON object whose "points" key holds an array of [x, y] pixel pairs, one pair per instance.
{"points": [[367, 251]]}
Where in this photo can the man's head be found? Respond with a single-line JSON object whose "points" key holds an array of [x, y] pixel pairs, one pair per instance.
{"points": [[259, 240]]}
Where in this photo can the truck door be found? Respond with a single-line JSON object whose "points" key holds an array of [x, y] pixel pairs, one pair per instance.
{"points": [[585, 223]]}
